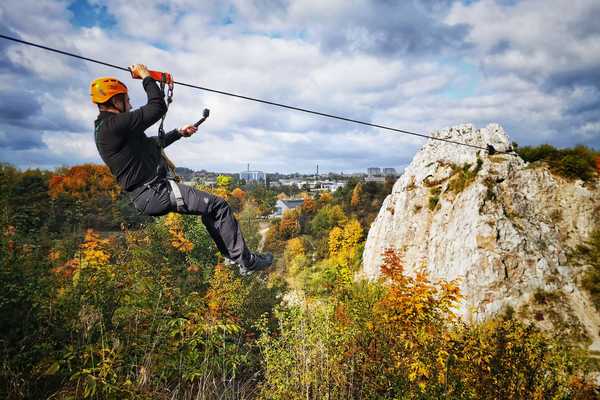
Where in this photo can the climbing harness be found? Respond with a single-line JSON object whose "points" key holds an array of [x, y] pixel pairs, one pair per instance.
{"points": [[165, 167], [305, 110]]}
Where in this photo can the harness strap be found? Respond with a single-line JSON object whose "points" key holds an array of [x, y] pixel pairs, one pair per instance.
{"points": [[176, 195], [167, 82], [161, 130]]}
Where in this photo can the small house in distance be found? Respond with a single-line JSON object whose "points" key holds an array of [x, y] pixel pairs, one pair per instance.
{"points": [[283, 205]]}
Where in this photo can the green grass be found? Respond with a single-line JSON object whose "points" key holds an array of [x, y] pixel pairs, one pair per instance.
{"points": [[434, 197], [463, 176]]}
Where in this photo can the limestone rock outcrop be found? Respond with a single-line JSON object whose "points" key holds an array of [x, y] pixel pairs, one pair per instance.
{"points": [[505, 229]]}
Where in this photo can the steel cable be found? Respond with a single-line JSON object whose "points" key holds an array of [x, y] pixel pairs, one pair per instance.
{"points": [[489, 149]]}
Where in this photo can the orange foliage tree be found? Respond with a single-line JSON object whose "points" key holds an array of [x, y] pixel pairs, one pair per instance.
{"points": [[416, 313], [236, 199], [356, 194], [84, 182], [326, 197], [93, 252], [289, 225], [238, 194], [309, 206]]}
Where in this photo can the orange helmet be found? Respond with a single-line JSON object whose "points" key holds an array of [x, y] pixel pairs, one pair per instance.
{"points": [[102, 89]]}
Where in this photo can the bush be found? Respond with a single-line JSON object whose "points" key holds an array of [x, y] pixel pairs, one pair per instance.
{"points": [[578, 162], [144, 316], [403, 340]]}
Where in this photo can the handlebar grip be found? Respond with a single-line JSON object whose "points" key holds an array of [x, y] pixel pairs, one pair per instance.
{"points": [[156, 75]]}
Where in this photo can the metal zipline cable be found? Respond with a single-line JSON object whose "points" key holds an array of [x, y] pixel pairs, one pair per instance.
{"points": [[489, 149]]}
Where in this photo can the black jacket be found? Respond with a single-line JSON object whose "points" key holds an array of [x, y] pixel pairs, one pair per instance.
{"points": [[132, 156]]}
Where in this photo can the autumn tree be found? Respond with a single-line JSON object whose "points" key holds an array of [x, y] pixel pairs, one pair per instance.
{"points": [[86, 194], [223, 186], [309, 206], [326, 218], [325, 198], [356, 193], [289, 225], [236, 199]]}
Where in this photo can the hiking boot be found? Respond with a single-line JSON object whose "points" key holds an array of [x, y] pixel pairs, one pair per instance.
{"points": [[258, 262]]}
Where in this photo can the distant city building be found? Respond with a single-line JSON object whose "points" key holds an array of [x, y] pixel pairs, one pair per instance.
{"points": [[374, 171], [253, 176], [389, 172], [283, 205]]}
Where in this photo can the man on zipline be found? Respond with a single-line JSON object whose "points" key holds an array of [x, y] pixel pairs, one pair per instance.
{"points": [[140, 167]]}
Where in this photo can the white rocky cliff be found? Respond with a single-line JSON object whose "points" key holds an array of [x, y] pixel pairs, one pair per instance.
{"points": [[504, 228]]}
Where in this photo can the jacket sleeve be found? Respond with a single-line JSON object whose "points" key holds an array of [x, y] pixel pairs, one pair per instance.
{"points": [[170, 137], [147, 115]]}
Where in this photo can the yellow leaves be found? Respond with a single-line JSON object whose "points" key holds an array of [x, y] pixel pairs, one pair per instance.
{"points": [[294, 247], [416, 311], [343, 243], [356, 193], [336, 236], [326, 197], [95, 250], [224, 181], [225, 296], [352, 233], [174, 223]]}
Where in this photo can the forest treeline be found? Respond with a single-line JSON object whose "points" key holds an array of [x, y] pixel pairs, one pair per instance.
{"points": [[98, 302]]}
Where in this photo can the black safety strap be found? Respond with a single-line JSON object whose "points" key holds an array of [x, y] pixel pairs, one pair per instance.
{"points": [[161, 169], [161, 130]]}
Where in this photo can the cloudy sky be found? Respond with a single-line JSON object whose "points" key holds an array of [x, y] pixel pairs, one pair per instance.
{"points": [[533, 66]]}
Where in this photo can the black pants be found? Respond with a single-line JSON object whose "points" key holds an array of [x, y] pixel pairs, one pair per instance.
{"points": [[217, 216]]}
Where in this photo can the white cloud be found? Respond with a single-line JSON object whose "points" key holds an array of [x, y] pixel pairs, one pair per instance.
{"points": [[287, 53]]}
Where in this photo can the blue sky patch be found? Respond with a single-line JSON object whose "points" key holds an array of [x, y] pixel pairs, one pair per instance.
{"points": [[86, 15], [466, 84]]}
